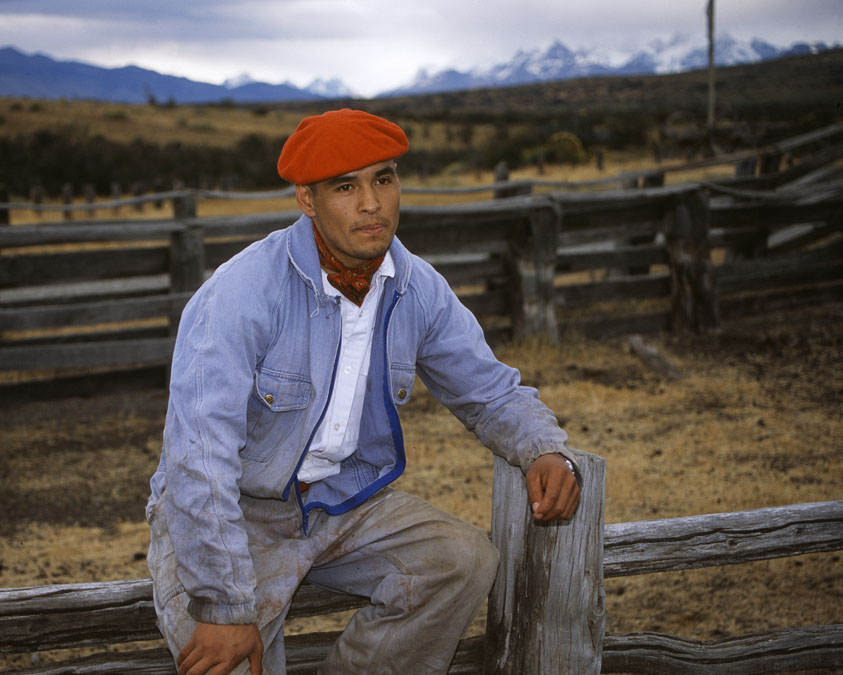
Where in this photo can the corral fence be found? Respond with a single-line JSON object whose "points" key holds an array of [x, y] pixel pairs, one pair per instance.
{"points": [[82, 303], [546, 612]]}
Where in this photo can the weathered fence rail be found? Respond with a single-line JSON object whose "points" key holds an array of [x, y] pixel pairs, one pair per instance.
{"points": [[108, 295], [546, 613]]}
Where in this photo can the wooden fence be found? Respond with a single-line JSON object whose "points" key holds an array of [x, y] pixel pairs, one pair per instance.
{"points": [[106, 296], [546, 612]]}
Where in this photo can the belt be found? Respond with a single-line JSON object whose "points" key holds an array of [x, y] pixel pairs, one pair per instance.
{"points": [[303, 487]]}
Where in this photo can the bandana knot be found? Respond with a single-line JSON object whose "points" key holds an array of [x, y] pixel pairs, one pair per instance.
{"points": [[352, 282]]}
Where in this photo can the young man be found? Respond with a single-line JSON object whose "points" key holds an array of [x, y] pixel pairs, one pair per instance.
{"points": [[282, 433]]}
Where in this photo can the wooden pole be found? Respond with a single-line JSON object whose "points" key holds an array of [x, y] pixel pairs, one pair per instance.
{"points": [[710, 116], [184, 206], [694, 301], [67, 199], [187, 264], [546, 610], [4, 210], [533, 259]]}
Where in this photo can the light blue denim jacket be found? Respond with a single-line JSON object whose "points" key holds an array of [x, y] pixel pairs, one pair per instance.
{"points": [[252, 373]]}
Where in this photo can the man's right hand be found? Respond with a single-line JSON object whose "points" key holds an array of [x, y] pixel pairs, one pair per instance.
{"points": [[217, 649]]}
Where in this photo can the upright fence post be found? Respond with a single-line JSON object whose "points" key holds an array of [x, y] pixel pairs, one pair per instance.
{"points": [[187, 264], [4, 210], [184, 206], [533, 260], [547, 608], [770, 163], [67, 199], [694, 301]]}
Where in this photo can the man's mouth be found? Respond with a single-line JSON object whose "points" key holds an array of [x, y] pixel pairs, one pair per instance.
{"points": [[371, 228]]}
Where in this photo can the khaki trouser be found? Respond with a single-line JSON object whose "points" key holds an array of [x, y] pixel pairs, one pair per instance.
{"points": [[425, 571]]}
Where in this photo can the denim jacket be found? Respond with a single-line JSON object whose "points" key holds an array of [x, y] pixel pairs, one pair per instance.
{"points": [[252, 374]]}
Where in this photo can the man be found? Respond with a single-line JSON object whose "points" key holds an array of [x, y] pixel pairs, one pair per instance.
{"points": [[282, 433]]}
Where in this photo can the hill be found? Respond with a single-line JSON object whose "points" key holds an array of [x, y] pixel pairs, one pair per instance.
{"points": [[54, 142]]}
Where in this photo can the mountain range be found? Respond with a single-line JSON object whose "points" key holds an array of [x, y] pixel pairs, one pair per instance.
{"points": [[40, 76]]}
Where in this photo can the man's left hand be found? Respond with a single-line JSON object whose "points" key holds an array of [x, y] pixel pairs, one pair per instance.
{"points": [[552, 488]]}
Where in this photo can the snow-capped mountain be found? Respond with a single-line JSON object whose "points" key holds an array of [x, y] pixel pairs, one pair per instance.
{"points": [[333, 88], [558, 62]]}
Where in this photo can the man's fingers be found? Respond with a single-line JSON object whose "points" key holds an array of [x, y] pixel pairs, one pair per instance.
{"points": [[187, 658], [548, 505]]}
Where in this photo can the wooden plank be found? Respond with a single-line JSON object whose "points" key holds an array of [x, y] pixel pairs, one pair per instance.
{"points": [[774, 214], [91, 313], [64, 267], [620, 288], [472, 271], [303, 652], [87, 355], [722, 538], [786, 650], [616, 230], [620, 257], [484, 304], [74, 615], [107, 334], [779, 300], [81, 291], [40, 235], [550, 580], [768, 274]]}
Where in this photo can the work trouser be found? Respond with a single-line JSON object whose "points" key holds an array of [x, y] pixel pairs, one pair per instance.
{"points": [[425, 571]]}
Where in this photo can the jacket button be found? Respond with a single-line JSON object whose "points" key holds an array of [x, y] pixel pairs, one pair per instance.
{"points": [[269, 398], [402, 394]]}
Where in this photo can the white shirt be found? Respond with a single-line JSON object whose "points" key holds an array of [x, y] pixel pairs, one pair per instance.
{"points": [[336, 437]]}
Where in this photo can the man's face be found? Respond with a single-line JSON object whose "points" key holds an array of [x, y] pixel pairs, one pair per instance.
{"points": [[356, 213]]}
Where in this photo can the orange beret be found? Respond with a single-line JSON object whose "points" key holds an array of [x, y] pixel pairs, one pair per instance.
{"points": [[338, 141]]}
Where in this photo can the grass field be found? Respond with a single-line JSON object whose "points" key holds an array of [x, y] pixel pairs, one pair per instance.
{"points": [[755, 421]]}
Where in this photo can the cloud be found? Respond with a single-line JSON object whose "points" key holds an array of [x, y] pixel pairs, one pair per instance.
{"points": [[373, 45]]}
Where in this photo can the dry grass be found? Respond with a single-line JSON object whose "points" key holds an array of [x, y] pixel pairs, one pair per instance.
{"points": [[755, 421]]}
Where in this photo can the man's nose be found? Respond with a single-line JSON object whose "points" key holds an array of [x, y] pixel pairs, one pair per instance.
{"points": [[369, 201]]}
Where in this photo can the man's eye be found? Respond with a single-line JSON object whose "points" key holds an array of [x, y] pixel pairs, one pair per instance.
{"points": [[345, 187]]}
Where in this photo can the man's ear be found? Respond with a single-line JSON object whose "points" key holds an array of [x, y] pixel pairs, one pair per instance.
{"points": [[304, 198]]}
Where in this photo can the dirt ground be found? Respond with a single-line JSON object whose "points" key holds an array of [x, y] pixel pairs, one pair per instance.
{"points": [[755, 420]]}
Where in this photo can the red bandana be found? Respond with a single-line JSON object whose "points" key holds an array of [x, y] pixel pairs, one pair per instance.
{"points": [[352, 282]]}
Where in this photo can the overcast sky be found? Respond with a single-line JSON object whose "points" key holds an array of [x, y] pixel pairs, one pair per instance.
{"points": [[376, 45]]}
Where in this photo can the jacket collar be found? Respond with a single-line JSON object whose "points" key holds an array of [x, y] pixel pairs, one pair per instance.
{"points": [[301, 247]]}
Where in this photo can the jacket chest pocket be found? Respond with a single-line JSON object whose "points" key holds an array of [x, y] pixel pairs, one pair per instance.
{"points": [[402, 378], [276, 408]]}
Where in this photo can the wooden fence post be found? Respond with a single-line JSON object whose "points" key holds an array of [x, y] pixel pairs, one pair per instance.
{"points": [[4, 210], [533, 260], [547, 607], [770, 163], [116, 193], [746, 167], [67, 200], [694, 302], [187, 264], [184, 206], [90, 198], [652, 179]]}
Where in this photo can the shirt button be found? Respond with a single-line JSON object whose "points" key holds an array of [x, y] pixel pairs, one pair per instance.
{"points": [[347, 369], [269, 398], [337, 426], [402, 394]]}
